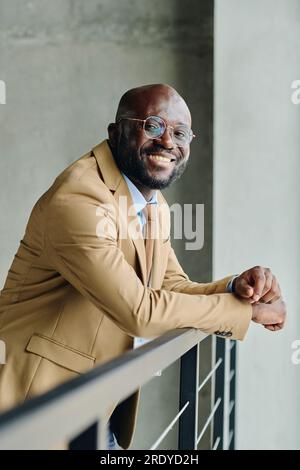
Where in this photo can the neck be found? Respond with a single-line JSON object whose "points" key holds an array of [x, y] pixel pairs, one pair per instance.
{"points": [[146, 192]]}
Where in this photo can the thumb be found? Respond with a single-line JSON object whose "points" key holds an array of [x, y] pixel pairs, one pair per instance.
{"points": [[243, 288]]}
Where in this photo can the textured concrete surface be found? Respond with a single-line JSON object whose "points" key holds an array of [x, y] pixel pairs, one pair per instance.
{"points": [[66, 63], [257, 199]]}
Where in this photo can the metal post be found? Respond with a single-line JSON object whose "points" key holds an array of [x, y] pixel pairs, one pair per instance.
{"points": [[232, 396], [87, 440], [219, 393], [188, 393]]}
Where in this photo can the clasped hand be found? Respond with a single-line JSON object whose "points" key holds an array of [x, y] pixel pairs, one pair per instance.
{"points": [[260, 287]]}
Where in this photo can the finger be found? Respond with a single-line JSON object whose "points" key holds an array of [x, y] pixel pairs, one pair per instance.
{"points": [[270, 298], [276, 327], [273, 294], [270, 327], [268, 281], [259, 280]]}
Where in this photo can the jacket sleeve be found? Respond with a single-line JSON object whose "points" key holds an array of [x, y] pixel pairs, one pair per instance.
{"points": [[96, 267], [176, 280]]}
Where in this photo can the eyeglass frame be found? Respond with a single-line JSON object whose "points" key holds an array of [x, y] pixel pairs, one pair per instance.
{"points": [[192, 135]]}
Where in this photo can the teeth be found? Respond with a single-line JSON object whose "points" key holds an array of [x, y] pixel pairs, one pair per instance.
{"points": [[160, 158]]}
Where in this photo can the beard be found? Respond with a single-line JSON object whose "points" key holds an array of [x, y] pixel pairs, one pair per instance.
{"points": [[135, 168]]}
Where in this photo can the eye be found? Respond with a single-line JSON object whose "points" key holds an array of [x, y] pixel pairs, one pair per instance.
{"points": [[180, 134], [151, 127]]}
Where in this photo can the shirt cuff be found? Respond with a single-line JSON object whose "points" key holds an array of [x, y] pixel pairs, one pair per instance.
{"points": [[229, 286]]}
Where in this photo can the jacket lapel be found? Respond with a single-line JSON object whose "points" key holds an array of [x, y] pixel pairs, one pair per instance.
{"points": [[117, 185], [163, 231]]}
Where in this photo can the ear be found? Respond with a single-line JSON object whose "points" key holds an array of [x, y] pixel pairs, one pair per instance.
{"points": [[113, 134]]}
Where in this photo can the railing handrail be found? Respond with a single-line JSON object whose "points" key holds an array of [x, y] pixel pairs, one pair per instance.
{"points": [[67, 410]]}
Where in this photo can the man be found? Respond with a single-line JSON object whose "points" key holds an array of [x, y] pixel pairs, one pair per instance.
{"points": [[88, 278]]}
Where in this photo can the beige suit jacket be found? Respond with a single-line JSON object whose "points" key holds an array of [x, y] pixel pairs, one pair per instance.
{"points": [[75, 296]]}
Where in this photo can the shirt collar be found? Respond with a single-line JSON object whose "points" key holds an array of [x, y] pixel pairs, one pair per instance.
{"points": [[138, 199]]}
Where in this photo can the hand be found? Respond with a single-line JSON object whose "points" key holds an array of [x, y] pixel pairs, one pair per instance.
{"points": [[271, 315], [257, 284]]}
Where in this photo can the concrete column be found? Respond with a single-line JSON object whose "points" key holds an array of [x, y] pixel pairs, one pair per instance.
{"points": [[257, 199]]}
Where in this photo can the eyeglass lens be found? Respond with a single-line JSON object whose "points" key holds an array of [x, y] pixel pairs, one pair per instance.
{"points": [[155, 128]]}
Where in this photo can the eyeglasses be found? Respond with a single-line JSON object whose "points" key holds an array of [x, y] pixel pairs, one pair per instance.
{"points": [[154, 127]]}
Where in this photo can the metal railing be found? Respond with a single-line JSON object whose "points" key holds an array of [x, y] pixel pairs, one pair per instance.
{"points": [[81, 405]]}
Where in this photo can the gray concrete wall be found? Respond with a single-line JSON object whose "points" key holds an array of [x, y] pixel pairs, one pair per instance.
{"points": [[66, 63], [257, 199]]}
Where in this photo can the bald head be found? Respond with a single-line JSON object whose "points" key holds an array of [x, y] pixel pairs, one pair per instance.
{"points": [[139, 101]]}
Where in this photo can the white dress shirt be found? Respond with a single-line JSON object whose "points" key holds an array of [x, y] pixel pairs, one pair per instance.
{"points": [[140, 203]]}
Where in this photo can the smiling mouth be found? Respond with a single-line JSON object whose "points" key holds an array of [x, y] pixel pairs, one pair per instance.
{"points": [[161, 158]]}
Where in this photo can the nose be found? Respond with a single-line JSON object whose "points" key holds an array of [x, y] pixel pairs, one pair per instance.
{"points": [[166, 139]]}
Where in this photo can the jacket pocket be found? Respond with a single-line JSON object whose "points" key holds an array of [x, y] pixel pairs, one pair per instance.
{"points": [[60, 353]]}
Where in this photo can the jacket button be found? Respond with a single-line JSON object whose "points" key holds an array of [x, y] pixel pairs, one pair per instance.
{"points": [[225, 334]]}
